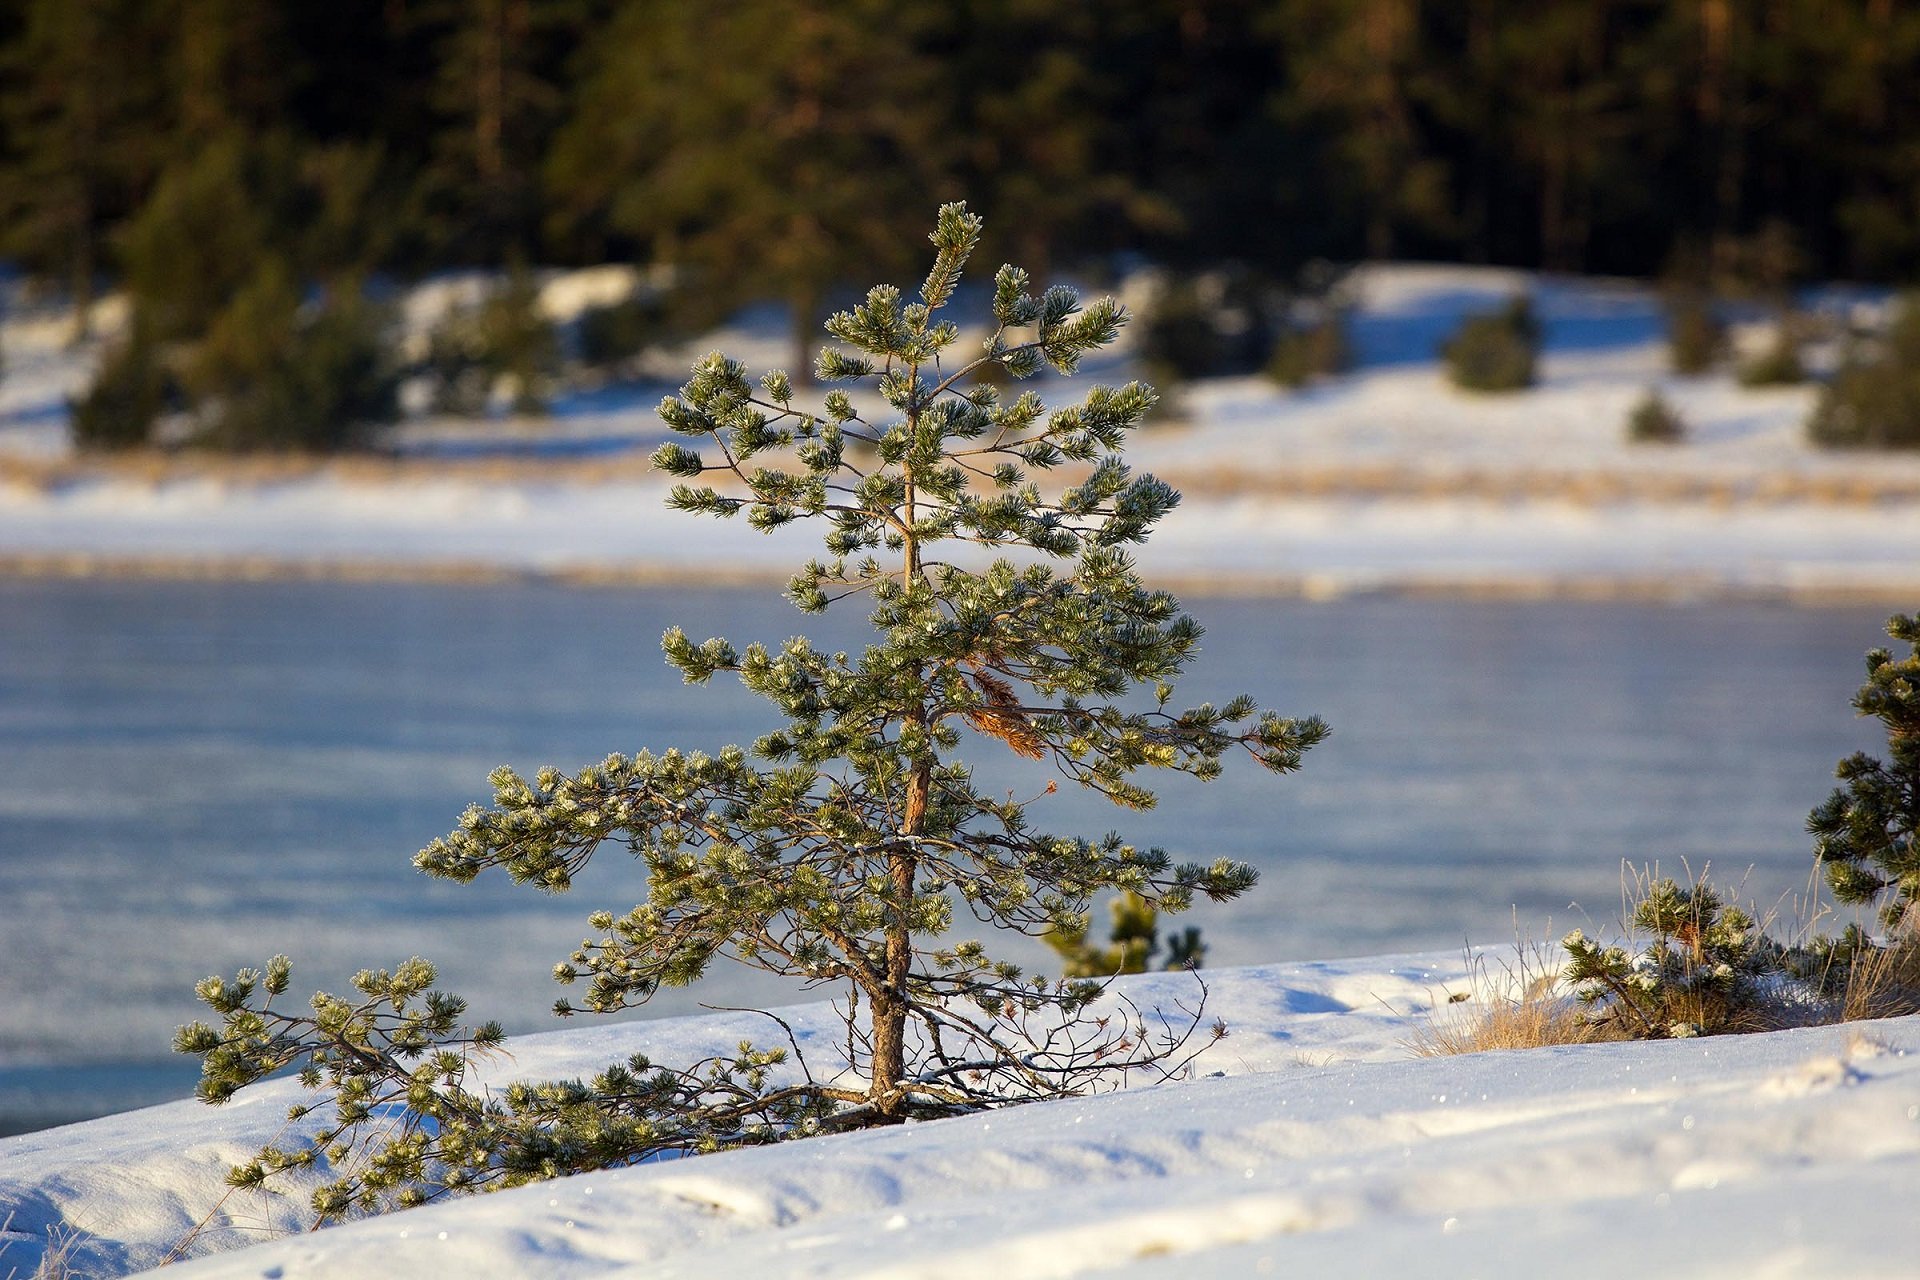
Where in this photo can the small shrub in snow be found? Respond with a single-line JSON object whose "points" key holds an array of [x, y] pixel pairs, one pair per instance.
{"points": [[1696, 338], [505, 341], [1779, 365], [1304, 352], [839, 849], [128, 394], [1860, 977], [1700, 972], [1133, 943], [1495, 350], [1524, 1006], [617, 332], [274, 374], [1873, 401], [1654, 421], [1204, 326]]}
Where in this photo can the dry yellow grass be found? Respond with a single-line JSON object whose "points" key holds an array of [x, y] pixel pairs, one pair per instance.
{"points": [[1519, 1007], [1525, 1006], [1883, 984]]}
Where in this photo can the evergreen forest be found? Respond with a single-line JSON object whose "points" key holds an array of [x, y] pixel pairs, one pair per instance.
{"points": [[178, 146]]}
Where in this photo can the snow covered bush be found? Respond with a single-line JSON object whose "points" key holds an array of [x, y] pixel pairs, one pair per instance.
{"points": [[839, 849], [1495, 350], [1873, 400]]}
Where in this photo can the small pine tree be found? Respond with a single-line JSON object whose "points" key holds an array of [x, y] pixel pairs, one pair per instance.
{"points": [[1699, 973], [274, 374], [1696, 339], [1779, 365], [504, 341], [1495, 350], [1654, 421], [840, 848], [1306, 351], [128, 394], [1134, 939], [1205, 326], [615, 333], [1867, 832]]}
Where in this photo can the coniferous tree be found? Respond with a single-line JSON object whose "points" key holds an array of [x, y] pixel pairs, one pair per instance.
{"points": [[1867, 832], [777, 168], [76, 135], [841, 848]]}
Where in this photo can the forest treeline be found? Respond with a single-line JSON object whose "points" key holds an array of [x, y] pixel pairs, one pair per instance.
{"points": [[182, 146]]}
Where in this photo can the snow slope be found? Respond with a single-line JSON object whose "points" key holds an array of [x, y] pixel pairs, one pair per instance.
{"points": [[1309, 1142], [1385, 478]]}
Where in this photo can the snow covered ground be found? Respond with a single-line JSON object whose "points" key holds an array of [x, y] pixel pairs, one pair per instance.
{"points": [[1309, 1142], [1385, 478]]}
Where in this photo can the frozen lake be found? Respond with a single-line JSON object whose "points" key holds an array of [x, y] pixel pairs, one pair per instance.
{"points": [[194, 776]]}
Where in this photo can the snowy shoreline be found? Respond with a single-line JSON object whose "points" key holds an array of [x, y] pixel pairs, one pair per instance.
{"points": [[1385, 479], [622, 534], [1309, 1141]]}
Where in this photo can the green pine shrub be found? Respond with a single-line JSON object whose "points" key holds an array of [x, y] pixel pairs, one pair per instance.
{"points": [[1653, 421], [1779, 365], [1134, 942], [1873, 401], [612, 334], [839, 849], [1702, 970], [1696, 337], [199, 238], [129, 392], [504, 341], [1867, 832], [1305, 352], [273, 374], [1203, 327], [1495, 350]]}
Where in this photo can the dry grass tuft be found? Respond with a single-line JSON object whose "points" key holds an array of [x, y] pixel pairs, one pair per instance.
{"points": [[1519, 1007], [56, 1255], [1883, 983], [1762, 984]]}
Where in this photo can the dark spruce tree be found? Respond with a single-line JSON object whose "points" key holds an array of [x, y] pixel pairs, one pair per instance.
{"points": [[842, 846]]}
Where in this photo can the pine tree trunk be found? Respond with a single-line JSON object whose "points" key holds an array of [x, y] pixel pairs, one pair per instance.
{"points": [[890, 1012], [890, 1009]]}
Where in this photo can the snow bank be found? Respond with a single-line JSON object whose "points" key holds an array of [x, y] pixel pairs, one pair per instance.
{"points": [[1307, 1142], [1386, 478]]}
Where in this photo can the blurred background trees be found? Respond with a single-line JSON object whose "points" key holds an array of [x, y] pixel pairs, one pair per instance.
{"points": [[180, 147], [1591, 136]]}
